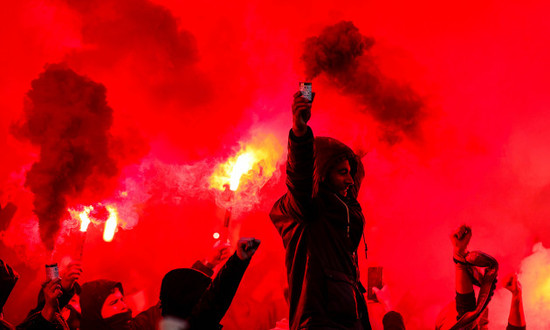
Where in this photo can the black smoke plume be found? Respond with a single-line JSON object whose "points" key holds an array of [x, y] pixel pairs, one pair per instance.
{"points": [[68, 118], [147, 37], [344, 55]]}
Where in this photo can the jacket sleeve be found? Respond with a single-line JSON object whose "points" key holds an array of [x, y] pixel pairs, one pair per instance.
{"points": [[217, 298], [299, 174], [201, 267]]}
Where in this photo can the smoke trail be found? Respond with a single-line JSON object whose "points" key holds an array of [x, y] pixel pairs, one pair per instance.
{"points": [[344, 55], [68, 118]]}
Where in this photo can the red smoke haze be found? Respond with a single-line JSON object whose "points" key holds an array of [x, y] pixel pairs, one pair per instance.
{"points": [[187, 83]]}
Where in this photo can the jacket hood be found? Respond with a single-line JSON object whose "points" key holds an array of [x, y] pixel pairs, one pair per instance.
{"points": [[92, 297], [328, 152], [181, 290]]}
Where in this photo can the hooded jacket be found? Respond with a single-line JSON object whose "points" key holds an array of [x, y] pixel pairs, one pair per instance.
{"points": [[93, 295], [321, 231], [190, 295]]}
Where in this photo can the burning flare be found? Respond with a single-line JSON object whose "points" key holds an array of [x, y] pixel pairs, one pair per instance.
{"points": [[243, 165], [87, 216], [253, 165], [110, 224], [84, 218]]}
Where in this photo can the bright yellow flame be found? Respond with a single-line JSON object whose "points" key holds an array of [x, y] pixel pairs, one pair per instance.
{"points": [[84, 218], [243, 165], [110, 224], [253, 164]]}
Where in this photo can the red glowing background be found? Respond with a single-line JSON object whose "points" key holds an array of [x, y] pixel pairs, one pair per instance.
{"points": [[164, 91]]}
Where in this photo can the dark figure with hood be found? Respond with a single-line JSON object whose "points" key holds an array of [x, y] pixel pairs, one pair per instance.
{"points": [[102, 303], [191, 300], [321, 224], [103, 307]]}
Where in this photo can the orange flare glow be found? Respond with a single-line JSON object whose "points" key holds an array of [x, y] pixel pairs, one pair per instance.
{"points": [[253, 164], [110, 224]]}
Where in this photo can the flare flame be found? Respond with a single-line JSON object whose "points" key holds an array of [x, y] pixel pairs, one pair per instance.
{"points": [[111, 224], [86, 217], [253, 165]]}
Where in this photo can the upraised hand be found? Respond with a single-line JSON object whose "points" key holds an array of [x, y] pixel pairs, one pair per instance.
{"points": [[512, 284], [301, 113], [52, 291], [220, 252], [246, 247], [71, 275], [460, 240], [383, 296]]}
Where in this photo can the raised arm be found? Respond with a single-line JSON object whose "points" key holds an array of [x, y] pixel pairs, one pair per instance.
{"points": [[220, 252], [516, 318], [300, 161], [301, 113], [69, 278], [217, 298], [465, 296]]}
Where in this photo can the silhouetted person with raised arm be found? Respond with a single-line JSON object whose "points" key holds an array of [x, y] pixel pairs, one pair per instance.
{"points": [[191, 300], [471, 268], [321, 225]]}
